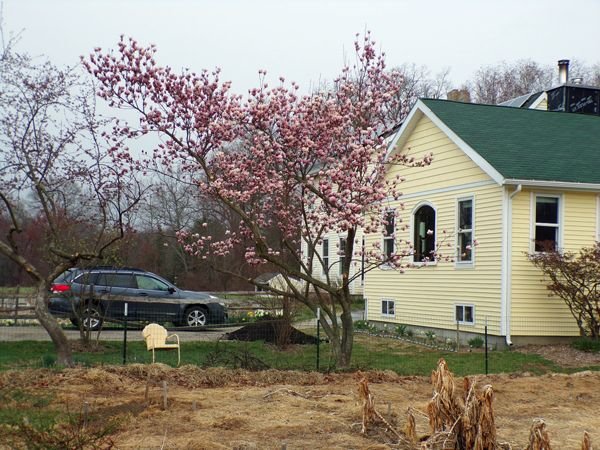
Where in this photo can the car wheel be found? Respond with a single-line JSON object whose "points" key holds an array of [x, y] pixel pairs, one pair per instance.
{"points": [[91, 317], [196, 316]]}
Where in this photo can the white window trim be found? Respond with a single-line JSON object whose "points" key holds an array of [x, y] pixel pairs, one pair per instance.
{"points": [[381, 307], [412, 233], [465, 305], [362, 262], [324, 269], [598, 218], [533, 223], [465, 264], [386, 238], [340, 256]]}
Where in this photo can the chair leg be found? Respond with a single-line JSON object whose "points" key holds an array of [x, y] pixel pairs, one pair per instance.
{"points": [[178, 357], [152, 356]]}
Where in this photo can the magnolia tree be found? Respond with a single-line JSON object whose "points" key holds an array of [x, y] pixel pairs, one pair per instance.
{"points": [[52, 168], [304, 165]]}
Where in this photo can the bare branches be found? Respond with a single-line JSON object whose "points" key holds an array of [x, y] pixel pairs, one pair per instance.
{"points": [[576, 280]]}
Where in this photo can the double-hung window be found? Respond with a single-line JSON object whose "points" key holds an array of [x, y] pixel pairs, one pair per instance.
{"points": [[325, 255], [547, 223], [388, 308], [465, 314], [464, 233], [342, 254], [362, 262], [389, 233]]}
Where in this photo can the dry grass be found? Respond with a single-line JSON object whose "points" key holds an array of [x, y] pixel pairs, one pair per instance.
{"points": [[228, 409]]}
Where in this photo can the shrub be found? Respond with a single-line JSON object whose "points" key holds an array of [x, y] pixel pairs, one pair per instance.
{"points": [[430, 336], [401, 330], [586, 344], [476, 342], [575, 278]]}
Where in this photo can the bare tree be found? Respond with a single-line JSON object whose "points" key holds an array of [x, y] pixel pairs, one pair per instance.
{"points": [[589, 73], [415, 82], [53, 166], [497, 83]]}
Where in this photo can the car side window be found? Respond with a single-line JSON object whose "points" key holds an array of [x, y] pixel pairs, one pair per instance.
{"points": [[122, 280], [86, 278], [144, 282]]}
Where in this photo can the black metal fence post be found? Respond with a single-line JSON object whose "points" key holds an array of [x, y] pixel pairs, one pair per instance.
{"points": [[125, 335], [318, 335], [486, 346]]}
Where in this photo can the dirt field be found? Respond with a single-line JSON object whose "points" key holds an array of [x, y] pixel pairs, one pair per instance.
{"points": [[226, 409]]}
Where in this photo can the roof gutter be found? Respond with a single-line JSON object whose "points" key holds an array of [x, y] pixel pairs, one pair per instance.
{"points": [[554, 184], [507, 265]]}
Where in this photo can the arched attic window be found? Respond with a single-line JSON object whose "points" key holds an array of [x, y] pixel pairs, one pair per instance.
{"points": [[424, 234]]}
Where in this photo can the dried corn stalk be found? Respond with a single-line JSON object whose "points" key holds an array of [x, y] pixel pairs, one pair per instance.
{"points": [[486, 428], [587, 442], [470, 417], [368, 408], [538, 436], [443, 440], [369, 411], [445, 407], [410, 430]]}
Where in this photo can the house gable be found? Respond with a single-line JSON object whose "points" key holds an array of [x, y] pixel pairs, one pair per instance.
{"points": [[428, 296], [415, 117]]}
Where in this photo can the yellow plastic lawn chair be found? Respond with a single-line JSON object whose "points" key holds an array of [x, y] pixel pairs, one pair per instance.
{"points": [[156, 337]]}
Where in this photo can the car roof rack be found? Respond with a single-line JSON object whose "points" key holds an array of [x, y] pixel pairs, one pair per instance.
{"points": [[106, 267]]}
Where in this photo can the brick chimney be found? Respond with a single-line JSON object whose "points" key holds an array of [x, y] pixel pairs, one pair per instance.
{"points": [[459, 95]]}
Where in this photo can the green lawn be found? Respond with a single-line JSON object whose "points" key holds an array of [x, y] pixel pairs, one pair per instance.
{"points": [[22, 290], [369, 353]]}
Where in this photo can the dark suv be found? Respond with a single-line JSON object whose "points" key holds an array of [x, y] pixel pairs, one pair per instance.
{"points": [[95, 294]]}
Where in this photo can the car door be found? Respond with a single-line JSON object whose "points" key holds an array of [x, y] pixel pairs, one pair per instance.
{"points": [[115, 288], [160, 301]]}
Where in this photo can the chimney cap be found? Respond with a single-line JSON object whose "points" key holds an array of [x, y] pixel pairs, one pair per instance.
{"points": [[563, 62]]}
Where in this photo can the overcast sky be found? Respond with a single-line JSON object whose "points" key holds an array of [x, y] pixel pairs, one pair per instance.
{"points": [[305, 41]]}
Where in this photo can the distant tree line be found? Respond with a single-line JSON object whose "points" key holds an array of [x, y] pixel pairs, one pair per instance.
{"points": [[172, 204]]}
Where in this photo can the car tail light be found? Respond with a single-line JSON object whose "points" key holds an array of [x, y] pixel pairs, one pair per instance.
{"points": [[58, 288]]}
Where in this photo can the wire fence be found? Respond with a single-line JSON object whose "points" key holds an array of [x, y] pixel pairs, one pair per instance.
{"points": [[256, 333]]}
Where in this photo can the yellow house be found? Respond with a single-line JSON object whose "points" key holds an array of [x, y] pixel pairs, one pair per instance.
{"points": [[503, 181]]}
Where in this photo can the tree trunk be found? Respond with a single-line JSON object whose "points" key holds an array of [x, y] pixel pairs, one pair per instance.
{"points": [[347, 339], [61, 344], [341, 334]]}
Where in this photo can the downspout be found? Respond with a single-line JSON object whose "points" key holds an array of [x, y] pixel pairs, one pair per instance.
{"points": [[508, 263]]}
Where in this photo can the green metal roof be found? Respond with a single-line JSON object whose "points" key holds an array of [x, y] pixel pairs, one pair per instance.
{"points": [[527, 144]]}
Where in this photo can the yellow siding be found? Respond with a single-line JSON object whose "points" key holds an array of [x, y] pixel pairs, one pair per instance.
{"points": [[543, 105], [534, 313], [427, 296]]}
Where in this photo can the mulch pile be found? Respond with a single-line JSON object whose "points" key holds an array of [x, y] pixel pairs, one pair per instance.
{"points": [[267, 331]]}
